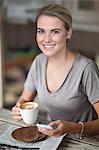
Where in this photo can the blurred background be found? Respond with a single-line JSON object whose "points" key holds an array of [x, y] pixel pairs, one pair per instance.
{"points": [[18, 47]]}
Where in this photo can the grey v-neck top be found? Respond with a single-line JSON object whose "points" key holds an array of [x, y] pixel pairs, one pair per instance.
{"points": [[74, 100]]}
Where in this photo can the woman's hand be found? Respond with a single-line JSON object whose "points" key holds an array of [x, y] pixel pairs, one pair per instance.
{"points": [[16, 112], [59, 128], [25, 97]]}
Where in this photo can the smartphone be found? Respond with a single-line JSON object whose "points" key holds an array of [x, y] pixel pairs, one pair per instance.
{"points": [[44, 126]]}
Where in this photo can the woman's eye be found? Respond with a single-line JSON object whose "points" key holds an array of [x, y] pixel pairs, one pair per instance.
{"points": [[55, 32], [40, 31]]}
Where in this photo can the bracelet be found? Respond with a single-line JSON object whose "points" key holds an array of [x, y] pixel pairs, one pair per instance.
{"points": [[82, 130]]}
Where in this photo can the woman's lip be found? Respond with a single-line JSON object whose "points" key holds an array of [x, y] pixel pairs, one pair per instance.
{"points": [[49, 46]]}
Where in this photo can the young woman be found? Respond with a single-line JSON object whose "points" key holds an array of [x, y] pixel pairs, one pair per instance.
{"points": [[66, 82]]}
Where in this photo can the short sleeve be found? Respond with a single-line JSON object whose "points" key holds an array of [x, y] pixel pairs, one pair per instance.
{"points": [[91, 82], [30, 80]]}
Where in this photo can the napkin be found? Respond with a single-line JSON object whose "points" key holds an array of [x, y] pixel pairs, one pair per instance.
{"points": [[49, 143]]}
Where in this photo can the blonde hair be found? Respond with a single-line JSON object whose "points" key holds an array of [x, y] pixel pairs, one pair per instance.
{"points": [[58, 11]]}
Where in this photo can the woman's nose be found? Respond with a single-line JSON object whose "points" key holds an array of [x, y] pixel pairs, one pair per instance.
{"points": [[47, 37]]}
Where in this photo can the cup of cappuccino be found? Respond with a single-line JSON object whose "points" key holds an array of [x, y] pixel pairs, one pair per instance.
{"points": [[29, 112]]}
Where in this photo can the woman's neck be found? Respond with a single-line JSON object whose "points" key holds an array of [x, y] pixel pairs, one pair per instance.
{"points": [[59, 60]]}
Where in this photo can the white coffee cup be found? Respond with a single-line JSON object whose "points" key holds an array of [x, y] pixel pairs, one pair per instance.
{"points": [[29, 112]]}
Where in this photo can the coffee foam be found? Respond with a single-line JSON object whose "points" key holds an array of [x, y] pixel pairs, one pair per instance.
{"points": [[28, 106]]}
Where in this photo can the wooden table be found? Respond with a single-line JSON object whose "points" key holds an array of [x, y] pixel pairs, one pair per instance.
{"points": [[70, 142]]}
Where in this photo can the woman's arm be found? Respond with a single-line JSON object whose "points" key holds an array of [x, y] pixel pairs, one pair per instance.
{"points": [[96, 107], [91, 127], [26, 96]]}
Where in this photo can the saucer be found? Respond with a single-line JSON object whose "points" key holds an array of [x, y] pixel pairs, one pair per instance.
{"points": [[28, 134]]}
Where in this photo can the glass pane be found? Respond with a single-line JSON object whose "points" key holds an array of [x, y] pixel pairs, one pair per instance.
{"points": [[86, 4]]}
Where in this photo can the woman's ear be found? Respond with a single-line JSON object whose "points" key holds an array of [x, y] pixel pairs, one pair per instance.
{"points": [[69, 33]]}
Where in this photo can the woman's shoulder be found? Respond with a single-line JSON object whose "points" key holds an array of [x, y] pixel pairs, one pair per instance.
{"points": [[84, 63], [39, 60], [85, 60], [41, 57]]}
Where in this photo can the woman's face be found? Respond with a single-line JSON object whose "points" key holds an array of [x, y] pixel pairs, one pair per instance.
{"points": [[51, 35]]}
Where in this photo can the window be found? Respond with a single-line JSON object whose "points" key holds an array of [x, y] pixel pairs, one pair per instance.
{"points": [[85, 14]]}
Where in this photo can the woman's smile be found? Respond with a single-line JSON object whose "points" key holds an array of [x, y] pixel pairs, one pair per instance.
{"points": [[51, 35], [49, 46]]}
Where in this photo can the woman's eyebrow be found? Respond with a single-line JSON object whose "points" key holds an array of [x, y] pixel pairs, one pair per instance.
{"points": [[51, 29], [56, 29], [40, 29]]}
